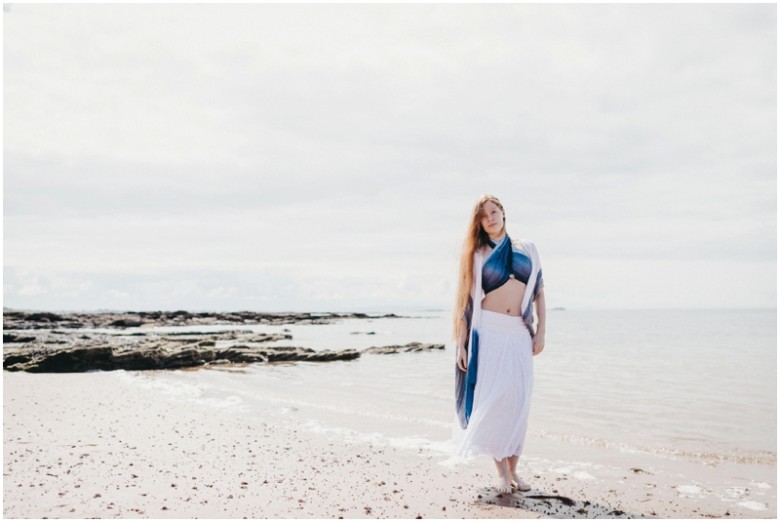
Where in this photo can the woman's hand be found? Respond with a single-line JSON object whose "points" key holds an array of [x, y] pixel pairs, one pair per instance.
{"points": [[463, 359], [538, 343]]}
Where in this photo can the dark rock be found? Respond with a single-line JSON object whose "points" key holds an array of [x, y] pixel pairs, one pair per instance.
{"points": [[191, 334], [14, 359], [125, 323], [344, 355], [72, 324], [187, 357], [13, 338], [74, 359], [238, 354], [293, 349], [43, 317], [147, 359], [411, 347]]}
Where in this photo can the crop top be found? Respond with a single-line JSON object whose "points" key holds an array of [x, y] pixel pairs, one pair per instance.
{"points": [[496, 272], [504, 262]]}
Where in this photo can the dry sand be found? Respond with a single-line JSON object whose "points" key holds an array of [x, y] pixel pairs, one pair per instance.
{"points": [[91, 445]]}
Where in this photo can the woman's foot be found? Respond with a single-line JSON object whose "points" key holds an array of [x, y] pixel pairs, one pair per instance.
{"points": [[504, 485], [519, 484]]}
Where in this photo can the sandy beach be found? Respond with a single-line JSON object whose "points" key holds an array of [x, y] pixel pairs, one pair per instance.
{"points": [[91, 445]]}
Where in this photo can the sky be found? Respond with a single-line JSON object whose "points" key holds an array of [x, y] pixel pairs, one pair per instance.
{"points": [[326, 157]]}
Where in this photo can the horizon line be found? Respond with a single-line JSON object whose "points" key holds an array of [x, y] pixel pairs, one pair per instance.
{"points": [[358, 309]]}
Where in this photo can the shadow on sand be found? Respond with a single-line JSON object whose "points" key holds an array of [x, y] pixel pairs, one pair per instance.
{"points": [[552, 505]]}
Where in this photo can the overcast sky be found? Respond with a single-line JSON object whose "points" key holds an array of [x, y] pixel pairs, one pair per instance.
{"points": [[326, 157]]}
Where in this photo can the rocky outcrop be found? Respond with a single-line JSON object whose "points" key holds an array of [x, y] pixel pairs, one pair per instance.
{"points": [[411, 347], [62, 351], [25, 320], [152, 353]]}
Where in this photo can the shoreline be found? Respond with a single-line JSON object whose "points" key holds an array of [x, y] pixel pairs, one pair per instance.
{"points": [[92, 445]]}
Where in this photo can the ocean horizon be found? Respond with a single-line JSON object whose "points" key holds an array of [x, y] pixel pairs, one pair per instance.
{"points": [[356, 309]]}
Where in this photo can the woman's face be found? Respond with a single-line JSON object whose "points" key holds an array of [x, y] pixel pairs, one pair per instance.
{"points": [[492, 219]]}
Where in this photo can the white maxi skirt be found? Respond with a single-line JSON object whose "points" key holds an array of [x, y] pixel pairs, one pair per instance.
{"points": [[502, 396]]}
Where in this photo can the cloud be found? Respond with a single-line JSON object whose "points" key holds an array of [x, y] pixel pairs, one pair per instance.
{"points": [[332, 152]]}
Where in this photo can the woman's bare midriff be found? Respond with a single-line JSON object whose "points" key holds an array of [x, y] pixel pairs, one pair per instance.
{"points": [[506, 299]]}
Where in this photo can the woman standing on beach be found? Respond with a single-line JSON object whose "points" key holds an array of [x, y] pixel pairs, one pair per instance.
{"points": [[499, 280]]}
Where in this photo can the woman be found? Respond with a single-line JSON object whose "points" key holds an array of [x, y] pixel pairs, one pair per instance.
{"points": [[499, 280]]}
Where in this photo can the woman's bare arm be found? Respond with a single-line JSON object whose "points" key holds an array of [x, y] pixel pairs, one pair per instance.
{"points": [[541, 326], [461, 356]]}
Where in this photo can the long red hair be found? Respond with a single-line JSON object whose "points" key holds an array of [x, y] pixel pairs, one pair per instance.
{"points": [[476, 238]]}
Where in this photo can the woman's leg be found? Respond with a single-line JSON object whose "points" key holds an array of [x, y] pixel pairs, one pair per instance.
{"points": [[516, 481], [504, 476]]}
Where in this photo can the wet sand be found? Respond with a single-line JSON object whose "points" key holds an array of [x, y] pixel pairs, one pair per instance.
{"points": [[91, 445]]}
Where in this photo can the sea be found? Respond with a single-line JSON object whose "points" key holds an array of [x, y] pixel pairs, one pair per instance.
{"points": [[693, 384]]}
